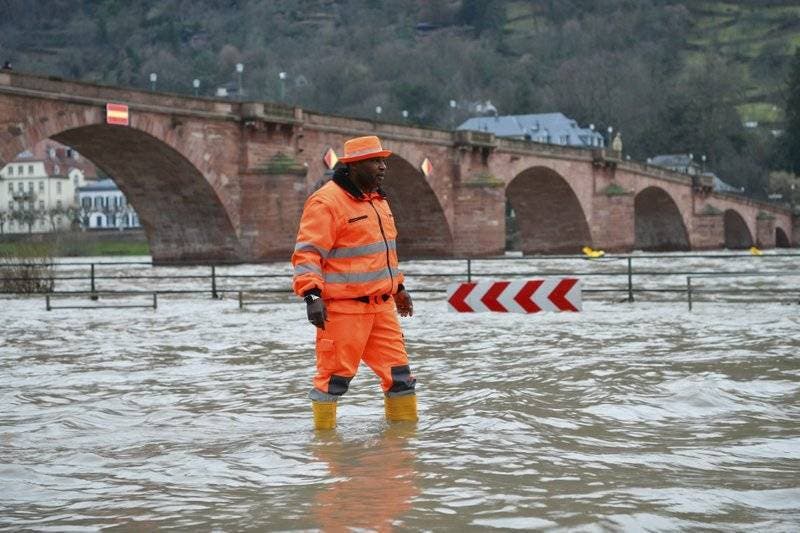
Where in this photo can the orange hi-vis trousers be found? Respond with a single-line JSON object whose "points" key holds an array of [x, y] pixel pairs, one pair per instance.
{"points": [[372, 337]]}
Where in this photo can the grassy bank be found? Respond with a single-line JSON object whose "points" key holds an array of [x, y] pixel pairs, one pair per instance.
{"points": [[76, 245]]}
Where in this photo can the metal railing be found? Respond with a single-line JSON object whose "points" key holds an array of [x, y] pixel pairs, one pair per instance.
{"points": [[636, 280], [95, 297], [753, 294]]}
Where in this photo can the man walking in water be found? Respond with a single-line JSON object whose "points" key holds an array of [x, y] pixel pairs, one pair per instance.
{"points": [[345, 267]]}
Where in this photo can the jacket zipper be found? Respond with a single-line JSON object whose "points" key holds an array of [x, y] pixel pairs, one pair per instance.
{"points": [[385, 243]]}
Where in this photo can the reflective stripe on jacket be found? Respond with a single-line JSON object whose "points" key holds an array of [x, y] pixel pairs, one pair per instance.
{"points": [[346, 246]]}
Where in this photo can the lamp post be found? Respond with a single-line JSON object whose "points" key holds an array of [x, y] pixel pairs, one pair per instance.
{"points": [[703, 159], [153, 80], [405, 115], [282, 81], [610, 132], [196, 85], [378, 111], [239, 70], [453, 106]]}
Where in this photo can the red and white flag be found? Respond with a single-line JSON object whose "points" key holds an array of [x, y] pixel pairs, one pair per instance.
{"points": [[520, 296], [117, 114]]}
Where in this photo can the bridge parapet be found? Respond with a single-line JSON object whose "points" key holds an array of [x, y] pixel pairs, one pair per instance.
{"points": [[55, 88], [269, 112]]}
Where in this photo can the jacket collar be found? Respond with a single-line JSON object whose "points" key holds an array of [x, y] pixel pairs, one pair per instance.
{"points": [[342, 179]]}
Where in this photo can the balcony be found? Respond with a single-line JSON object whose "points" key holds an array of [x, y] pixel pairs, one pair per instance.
{"points": [[23, 196]]}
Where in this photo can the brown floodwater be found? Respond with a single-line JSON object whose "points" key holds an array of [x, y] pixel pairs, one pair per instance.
{"points": [[194, 416]]}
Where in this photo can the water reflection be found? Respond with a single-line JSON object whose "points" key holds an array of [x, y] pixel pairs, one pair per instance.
{"points": [[373, 482]]}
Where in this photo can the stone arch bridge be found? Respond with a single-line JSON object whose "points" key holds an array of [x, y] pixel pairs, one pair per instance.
{"points": [[216, 180]]}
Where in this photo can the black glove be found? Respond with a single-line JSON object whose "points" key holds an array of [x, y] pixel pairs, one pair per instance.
{"points": [[315, 309]]}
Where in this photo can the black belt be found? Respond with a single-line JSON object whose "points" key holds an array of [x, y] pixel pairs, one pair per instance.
{"points": [[367, 299]]}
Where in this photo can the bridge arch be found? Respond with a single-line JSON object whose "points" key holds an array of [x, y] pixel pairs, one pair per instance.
{"points": [[781, 239], [737, 234], [658, 224], [423, 230], [181, 213], [548, 215]]}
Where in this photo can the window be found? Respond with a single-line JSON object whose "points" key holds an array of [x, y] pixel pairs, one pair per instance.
{"points": [[30, 186], [20, 186], [30, 169], [10, 170], [86, 202], [58, 187], [20, 170], [11, 205], [41, 186], [10, 187], [41, 205], [59, 204]]}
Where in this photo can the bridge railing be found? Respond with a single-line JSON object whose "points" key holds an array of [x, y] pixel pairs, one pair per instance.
{"points": [[626, 278]]}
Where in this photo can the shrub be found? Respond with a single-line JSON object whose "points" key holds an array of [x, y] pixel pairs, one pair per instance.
{"points": [[27, 269]]}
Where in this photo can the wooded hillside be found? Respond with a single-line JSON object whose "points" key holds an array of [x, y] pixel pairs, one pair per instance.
{"points": [[672, 76]]}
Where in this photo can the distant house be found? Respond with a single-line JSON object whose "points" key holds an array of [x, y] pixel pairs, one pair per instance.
{"points": [[36, 195], [103, 206], [685, 164], [550, 128]]}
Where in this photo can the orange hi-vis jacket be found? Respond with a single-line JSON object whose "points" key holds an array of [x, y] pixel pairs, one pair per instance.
{"points": [[346, 249]]}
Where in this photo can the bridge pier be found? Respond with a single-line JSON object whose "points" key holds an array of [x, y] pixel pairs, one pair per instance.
{"points": [[479, 219], [612, 226]]}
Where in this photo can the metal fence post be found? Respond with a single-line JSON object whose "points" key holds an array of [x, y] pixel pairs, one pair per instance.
{"points": [[241, 302], [47, 302], [93, 295], [469, 270], [689, 291], [214, 282], [155, 300], [630, 279]]}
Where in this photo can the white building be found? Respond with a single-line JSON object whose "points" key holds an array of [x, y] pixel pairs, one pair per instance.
{"points": [[103, 206], [37, 195]]}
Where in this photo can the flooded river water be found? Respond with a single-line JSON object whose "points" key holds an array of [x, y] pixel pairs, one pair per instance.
{"points": [[194, 416]]}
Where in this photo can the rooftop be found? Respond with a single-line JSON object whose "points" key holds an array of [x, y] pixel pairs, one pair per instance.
{"points": [[554, 128]]}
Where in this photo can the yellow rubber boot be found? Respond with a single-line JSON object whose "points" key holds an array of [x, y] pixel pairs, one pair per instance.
{"points": [[324, 414], [401, 408]]}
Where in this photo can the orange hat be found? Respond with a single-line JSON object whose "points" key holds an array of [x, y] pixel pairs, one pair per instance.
{"points": [[362, 148]]}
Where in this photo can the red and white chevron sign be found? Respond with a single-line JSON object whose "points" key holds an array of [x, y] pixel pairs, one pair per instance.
{"points": [[522, 296]]}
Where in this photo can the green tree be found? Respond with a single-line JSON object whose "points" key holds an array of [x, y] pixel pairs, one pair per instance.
{"points": [[791, 141]]}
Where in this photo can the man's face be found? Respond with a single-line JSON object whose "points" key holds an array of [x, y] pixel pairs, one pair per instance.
{"points": [[369, 173]]}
